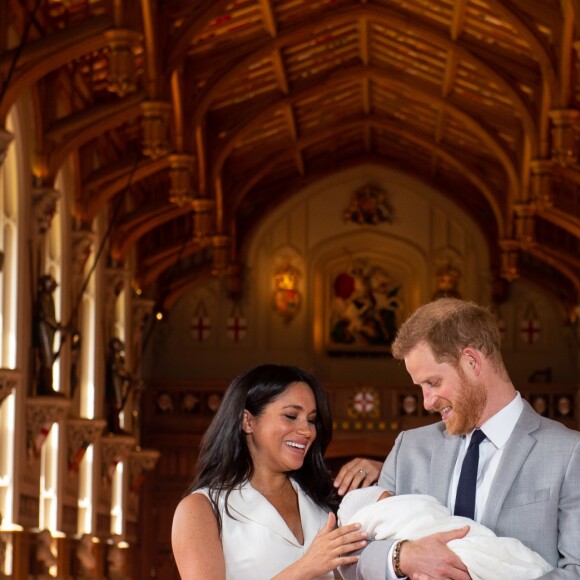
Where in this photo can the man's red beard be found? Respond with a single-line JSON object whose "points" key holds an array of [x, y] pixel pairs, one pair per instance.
{"points": [[468, 406]]}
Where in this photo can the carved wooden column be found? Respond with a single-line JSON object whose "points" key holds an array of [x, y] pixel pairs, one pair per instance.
{"points": [[509, 259], [221, 255], [565, 135], [541, 182], [9, 380], [156, 118], [5, 139], [122, 77], [202, 218], [525, 222], [181, 172]]}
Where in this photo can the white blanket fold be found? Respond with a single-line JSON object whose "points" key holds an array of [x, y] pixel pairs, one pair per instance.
{"points": [[487, 556]]}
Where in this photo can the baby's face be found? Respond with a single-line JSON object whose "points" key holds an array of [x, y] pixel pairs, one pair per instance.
{"points": [[385, 495]]}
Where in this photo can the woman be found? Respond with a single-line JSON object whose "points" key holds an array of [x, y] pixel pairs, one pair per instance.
{"points": [[262, 503]]}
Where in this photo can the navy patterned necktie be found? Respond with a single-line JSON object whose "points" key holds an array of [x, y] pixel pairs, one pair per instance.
{"points": [[465, 498]]}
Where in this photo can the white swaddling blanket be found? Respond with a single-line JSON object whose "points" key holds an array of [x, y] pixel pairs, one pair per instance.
{"points": [[411, 517]]}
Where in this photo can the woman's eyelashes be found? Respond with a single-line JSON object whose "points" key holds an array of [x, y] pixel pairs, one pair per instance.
{"points": [[311, 420]]}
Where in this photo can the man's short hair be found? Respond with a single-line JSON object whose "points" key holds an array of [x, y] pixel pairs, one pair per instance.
{"points": [[448, 325]]}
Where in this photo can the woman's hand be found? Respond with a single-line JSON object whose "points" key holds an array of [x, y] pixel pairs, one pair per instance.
{"points": [[359, 472], [329, 549]]}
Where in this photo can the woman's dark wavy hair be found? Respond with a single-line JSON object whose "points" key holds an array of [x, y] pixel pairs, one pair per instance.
{"points": [[224, 460]]}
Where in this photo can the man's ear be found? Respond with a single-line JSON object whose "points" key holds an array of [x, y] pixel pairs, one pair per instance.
{"points": [[473, 358], [247, 422]]}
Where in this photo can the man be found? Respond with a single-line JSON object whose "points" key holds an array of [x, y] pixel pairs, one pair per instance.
{"points": [[527, 482]]}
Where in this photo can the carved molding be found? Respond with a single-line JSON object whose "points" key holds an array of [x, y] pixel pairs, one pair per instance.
{"points": [[9, 380], [5, 139], [141, 460], [156, 115], [41, 413], [122, 77], [115, 448], [81, 433], [44, 200], [181, 172]]}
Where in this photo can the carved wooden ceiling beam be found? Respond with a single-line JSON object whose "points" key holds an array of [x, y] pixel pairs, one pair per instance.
{"points": [[44, 56], [216, 86], [504, 156], [139, 224]]}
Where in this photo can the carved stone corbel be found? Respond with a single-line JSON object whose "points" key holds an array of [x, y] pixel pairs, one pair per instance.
{"points": [[9, 380], [5, 139], [44, 200], [41, 414], [115, 448], [140, 461], [81, 433]]}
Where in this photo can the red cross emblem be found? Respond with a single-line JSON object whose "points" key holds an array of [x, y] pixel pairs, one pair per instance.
{"points": [[236, 328], [530, 330], [201, 328], [364, 402]]}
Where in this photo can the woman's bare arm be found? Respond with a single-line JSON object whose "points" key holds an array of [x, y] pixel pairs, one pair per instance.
{"points": [[195, 540]]}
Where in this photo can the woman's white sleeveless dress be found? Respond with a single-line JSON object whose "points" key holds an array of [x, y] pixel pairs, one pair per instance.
{"points": [[258, 544]]}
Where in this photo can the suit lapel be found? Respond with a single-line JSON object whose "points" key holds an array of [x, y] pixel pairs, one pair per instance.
{"points": [[443, 459], [516, 451]]}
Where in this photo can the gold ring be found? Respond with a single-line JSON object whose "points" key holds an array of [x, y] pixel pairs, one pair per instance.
{"points": [[363, 473]]}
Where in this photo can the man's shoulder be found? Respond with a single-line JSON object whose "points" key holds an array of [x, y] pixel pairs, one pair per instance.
{"points": [[554, 429], [432, 432]]}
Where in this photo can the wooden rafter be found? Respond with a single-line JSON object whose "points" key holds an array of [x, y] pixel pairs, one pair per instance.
{"points": [[268, 17]]}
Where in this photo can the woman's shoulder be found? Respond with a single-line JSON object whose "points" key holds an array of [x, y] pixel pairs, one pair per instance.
{"points": [[196, 501], [192, 511]]}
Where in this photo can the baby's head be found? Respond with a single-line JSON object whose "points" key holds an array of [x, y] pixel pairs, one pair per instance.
{"points": [[357, 499]]}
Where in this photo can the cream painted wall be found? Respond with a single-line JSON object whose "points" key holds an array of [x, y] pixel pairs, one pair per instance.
{"points": [[310, 231]]}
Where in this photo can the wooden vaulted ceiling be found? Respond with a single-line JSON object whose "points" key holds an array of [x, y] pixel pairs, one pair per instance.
{"points": [[190, 120]]}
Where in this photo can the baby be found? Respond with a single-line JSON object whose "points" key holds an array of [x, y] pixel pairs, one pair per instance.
{"points": [[487, 557]]}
